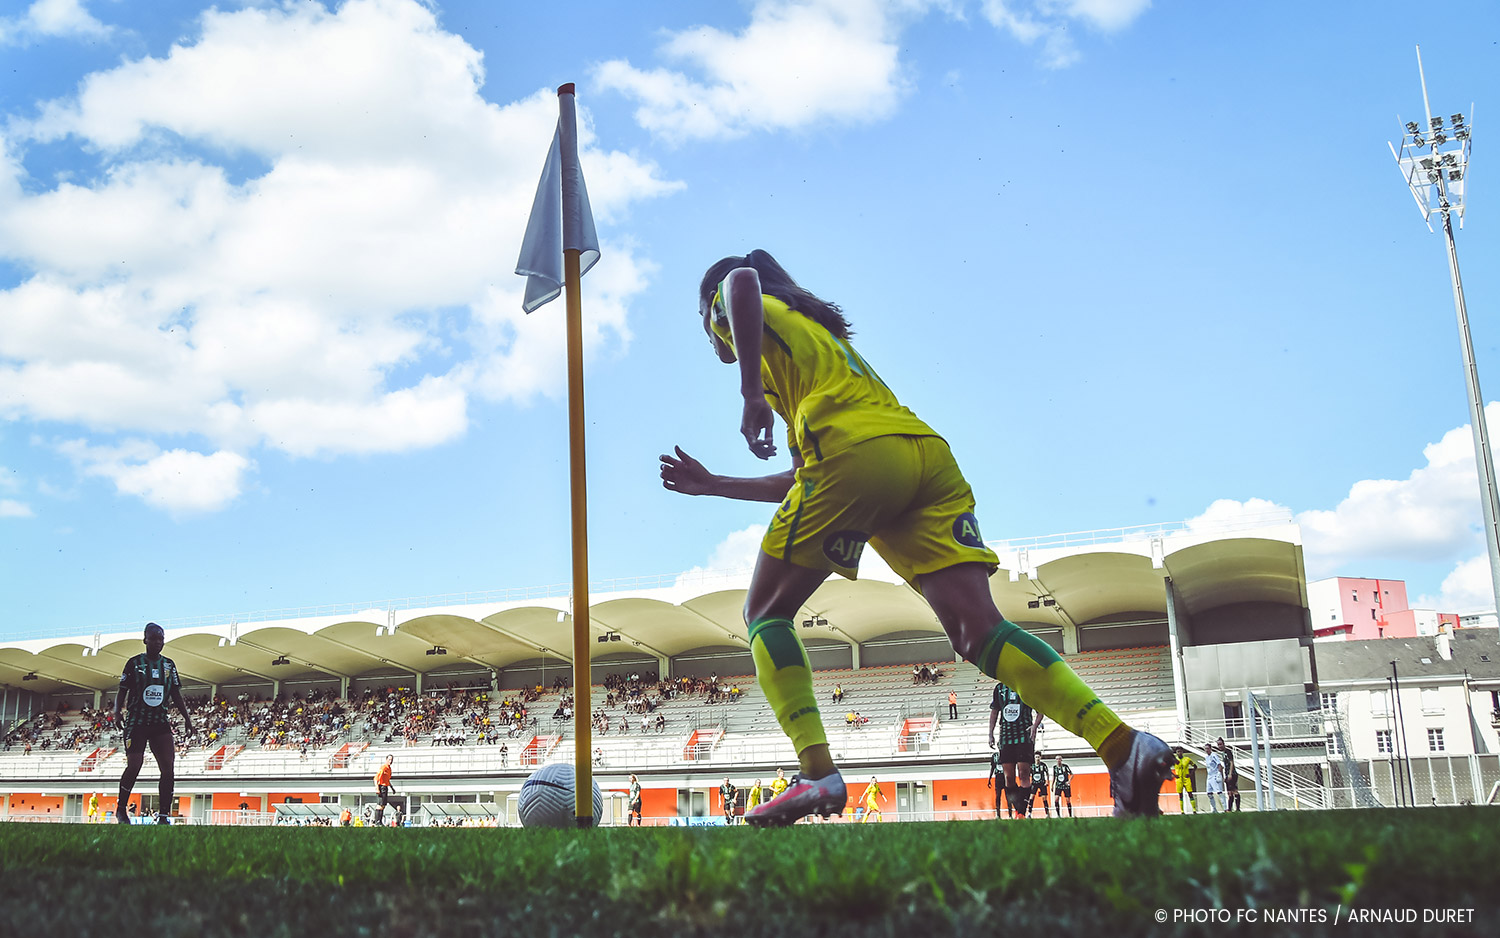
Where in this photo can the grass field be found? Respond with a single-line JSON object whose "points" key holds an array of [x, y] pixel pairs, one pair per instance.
{"points": [[1058, 877]]}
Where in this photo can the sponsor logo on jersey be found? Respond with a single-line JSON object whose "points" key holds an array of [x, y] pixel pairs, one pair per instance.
{"points": [[844, 547], [153, 695], [966, 530]]}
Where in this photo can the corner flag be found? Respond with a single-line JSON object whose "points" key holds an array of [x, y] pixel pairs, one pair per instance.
{"points": [[559, 248], [560, 215]]}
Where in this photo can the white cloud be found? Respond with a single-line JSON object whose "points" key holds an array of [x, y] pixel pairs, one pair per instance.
{"points": [[799, 63], [1051, 22], [1467, 588], [741, 549], [349, 292], [64, 19], [1433, 515], [178, 481], [10, 508]]}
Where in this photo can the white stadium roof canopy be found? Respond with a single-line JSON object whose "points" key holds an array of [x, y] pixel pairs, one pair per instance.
{"points": [[1072, 580]]}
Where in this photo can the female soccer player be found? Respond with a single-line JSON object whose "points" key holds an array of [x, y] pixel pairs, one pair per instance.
{"points": [[865, 469], [147, 684]]}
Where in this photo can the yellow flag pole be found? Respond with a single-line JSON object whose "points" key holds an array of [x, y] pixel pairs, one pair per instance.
{"points": [[583, 767]]}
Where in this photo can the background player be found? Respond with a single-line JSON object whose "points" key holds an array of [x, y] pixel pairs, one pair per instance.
{"points": [[1039, 786], [146, 683], [727, 792], [1014, 745], [1062, 786], [866, 469], [1183, 770], [870, 802], [634, 817]]}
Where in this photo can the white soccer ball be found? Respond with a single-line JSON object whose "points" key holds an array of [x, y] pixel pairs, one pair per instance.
{"points": [[547, 798]]}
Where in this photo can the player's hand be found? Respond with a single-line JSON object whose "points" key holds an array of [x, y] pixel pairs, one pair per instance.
{"points": [[685, 474], [757, 421], [992, 742]]}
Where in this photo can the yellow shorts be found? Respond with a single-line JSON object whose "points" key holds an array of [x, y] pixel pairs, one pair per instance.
{"points": [[905, 495]]}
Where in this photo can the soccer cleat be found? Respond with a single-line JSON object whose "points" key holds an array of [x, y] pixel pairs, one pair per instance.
{"points": [[163, 819], [122, 817], [804, 796], [1136, 783]]}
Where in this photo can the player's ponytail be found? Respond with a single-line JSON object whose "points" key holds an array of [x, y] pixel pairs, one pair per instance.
{"points": [[775, 281]]}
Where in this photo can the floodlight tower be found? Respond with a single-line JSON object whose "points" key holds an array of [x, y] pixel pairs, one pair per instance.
{"points": [[1435, 161]]}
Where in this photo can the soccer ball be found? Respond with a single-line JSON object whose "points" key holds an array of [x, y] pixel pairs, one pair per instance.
{"points": [[547, 798]]}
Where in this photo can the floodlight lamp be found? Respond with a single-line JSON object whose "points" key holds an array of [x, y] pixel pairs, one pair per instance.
{"points": [[1455, 175], [277, 662], [1436, 122], [29, 677], [1450, 159], [1461, 133], [437, 650], [1418, 142], [1457, 119], [1411, 127], [1049, 601], [1033, 604], [1425, 162], [1432, 176], [601, 640], [1439, 138], [614, 636]]}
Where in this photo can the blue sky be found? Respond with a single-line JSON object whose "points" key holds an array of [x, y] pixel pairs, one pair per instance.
{"points": [[261, 346]]}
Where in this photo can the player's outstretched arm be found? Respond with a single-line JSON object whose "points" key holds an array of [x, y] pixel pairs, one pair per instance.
{"points": [[682, 473]]}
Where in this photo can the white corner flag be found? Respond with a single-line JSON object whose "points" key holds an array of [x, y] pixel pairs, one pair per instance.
{"points": [[560, 216]]}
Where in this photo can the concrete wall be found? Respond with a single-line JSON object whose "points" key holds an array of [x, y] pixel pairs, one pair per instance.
{"points": [[1246, 622], [1216, 673]]}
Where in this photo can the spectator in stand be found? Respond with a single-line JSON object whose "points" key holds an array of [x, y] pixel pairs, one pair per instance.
{"points": [[953, 705], [838, 693], [916, 674]]}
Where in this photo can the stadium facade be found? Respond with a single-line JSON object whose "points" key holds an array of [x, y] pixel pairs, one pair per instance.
{"points": [[1192, 631]]}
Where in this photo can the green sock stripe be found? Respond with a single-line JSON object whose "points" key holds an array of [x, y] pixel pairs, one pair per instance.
{"points": [[1008, 633], [759, 624], [780, 641]]}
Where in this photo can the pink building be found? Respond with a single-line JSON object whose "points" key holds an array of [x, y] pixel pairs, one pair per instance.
{"points": [[1356, 608]]}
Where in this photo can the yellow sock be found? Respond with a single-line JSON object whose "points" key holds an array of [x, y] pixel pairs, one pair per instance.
{"points": [[785, 677], [1030, 667]]}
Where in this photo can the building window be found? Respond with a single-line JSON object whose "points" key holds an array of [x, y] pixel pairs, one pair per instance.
{"points": [[1331, 743], [1372, 614], [1435, 740], [1329, 700], [1354, 595], [1380, 702], [1334, 616], [1383, 742], [1432, 700]]}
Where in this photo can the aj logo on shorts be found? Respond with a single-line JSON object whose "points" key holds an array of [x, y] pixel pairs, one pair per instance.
{"points": [[966, 530], [844, 547]]}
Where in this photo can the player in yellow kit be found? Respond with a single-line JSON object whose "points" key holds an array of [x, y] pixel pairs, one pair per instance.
{"points": [[865, 469], [869, 798]]}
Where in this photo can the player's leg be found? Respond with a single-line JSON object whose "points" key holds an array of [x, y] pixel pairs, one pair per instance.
{"points": [[937, 547], [135, 756], [1138, 762], [165, 754], [1023, 786]]}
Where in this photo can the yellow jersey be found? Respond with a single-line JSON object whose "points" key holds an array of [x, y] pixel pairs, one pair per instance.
{"points": [[828, 395]]}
